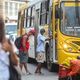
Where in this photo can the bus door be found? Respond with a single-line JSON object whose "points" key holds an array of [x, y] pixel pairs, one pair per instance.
{"points": [[55, 31], [54, 20], [52, 30]]}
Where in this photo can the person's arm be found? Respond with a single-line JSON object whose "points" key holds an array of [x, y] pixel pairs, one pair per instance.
{"points": [[74, 71], [7, 46], [49, 38], [24, 44], [74, 68], [42, 38]]}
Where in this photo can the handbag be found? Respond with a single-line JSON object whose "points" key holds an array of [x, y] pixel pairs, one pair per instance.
{"points": [[14, 75]]}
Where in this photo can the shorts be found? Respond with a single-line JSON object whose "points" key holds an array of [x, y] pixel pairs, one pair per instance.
{"points": [[40, 57], [23, 57]]}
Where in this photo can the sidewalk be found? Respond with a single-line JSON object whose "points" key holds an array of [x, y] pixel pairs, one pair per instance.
{"points": [[47, 75]]}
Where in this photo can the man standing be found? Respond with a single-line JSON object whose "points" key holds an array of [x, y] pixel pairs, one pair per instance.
{"points": [[40, 50]]}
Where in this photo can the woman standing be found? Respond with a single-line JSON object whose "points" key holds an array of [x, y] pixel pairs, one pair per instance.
{"points": [[23, 51], [5, 50]]}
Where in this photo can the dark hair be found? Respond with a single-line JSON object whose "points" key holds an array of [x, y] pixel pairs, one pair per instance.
{"points": [[42, 31], [2, 32]]}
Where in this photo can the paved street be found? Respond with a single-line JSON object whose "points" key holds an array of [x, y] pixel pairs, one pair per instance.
{"points": [[47, 75]]}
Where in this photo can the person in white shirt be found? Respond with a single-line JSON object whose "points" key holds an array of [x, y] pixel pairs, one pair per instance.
{"points": [[5, 50]]}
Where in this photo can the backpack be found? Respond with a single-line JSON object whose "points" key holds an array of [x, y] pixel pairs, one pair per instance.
{"points": [[18, 43]]}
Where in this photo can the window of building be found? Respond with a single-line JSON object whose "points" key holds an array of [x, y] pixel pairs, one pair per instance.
{"points": [[6, 8], [16, 9], [11, 9]]}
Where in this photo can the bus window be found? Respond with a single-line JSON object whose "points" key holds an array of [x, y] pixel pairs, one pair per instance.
{"points": [[28, 18], [32, 16], [42, 16], [44, 12], [38, 12], [25, 18]]}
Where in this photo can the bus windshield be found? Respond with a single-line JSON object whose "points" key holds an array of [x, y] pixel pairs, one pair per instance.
{"points": [[70, 18]]}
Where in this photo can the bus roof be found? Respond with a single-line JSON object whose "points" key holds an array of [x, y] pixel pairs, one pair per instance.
{"points": [[26, 5]]}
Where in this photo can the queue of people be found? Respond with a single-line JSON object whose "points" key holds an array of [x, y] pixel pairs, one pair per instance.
{"points": [[23, 51], [8, 55]]}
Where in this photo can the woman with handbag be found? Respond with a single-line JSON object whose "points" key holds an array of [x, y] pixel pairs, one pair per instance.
{"points": [[6, 49]]}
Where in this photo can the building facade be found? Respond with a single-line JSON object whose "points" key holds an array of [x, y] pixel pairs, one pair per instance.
{"points": [[1, 8], [11, 9]]}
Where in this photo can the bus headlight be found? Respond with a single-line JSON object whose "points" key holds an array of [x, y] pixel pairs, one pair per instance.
{"points": [[68, 48]]}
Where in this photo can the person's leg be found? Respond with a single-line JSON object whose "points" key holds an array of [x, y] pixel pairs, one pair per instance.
{"points": [[21, 60], [40, 60], [25, 66], [38, 69], [21, 66]]}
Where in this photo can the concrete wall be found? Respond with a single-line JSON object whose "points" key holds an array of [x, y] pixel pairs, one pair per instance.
{"points": [[2, 8]]}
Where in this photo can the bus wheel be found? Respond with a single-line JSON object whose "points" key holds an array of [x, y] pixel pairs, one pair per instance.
{"points": [[49, 64]]}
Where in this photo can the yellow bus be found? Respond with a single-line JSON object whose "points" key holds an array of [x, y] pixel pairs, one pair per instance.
{"points": [[60, 19]]}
